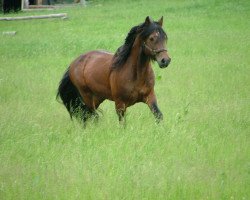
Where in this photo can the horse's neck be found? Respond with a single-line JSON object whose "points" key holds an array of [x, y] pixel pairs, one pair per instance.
{"points": [[140, 62]]}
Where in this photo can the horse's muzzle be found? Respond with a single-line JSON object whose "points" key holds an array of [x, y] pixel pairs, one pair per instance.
{"points": [[164, 62]]}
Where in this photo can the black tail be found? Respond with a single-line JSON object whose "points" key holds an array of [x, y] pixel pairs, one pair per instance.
{"points": [[71, 99]]}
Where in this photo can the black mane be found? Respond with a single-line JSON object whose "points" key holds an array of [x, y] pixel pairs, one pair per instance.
{"points": [[123, 52]]}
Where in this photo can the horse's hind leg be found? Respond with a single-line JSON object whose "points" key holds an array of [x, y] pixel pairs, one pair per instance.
{"points": [[92, 102], [96, 101]]}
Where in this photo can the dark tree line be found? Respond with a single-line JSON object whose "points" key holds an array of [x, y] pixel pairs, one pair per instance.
{"points": [[10, 5]]}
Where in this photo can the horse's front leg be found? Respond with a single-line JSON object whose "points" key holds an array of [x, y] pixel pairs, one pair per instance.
{"points": [[151, 101], [120, 110]]}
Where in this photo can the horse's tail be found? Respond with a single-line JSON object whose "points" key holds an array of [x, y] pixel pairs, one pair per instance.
{"points": [[71, 98]]}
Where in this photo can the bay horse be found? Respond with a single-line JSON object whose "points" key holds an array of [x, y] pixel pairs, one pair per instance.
{"points": [[125, 77]]}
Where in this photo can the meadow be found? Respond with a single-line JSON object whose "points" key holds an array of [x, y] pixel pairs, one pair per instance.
{"points": [[199, 151]]}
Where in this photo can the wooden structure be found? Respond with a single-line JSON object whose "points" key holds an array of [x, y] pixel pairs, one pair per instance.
{"points": [[59, 15], [52, 2], [16, 5]]}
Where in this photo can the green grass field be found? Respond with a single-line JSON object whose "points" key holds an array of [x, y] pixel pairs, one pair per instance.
{"points": [[199, 151]]}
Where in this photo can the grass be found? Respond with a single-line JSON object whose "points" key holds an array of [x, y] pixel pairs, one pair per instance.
{"points": [[200, 151]]}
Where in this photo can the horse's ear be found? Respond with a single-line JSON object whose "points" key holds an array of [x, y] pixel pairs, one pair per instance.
{"points": [[148, 20], [160, 22]]}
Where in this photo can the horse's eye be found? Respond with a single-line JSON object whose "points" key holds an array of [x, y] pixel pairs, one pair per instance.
{"points": [[151, 39]]}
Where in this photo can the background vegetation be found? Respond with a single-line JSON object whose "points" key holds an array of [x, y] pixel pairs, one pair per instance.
{"points": [[199, 151]]}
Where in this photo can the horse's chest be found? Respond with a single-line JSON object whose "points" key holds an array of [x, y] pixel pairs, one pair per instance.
{"points": [[140, 92], [136, 92]]}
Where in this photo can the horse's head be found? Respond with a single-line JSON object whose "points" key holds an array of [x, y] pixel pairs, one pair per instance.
{"points": [[154, 41]]}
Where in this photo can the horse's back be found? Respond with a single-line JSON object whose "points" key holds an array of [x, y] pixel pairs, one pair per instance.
{"points": [[91, 71]]}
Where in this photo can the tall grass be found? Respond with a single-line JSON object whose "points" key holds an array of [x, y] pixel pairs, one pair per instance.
{"points": [[199, 151]]}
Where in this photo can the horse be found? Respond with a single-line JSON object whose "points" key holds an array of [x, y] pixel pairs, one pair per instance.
{"points": [[125, 77]]}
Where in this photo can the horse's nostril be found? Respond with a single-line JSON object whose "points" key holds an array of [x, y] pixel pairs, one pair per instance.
{"points": [[163, 61]]}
